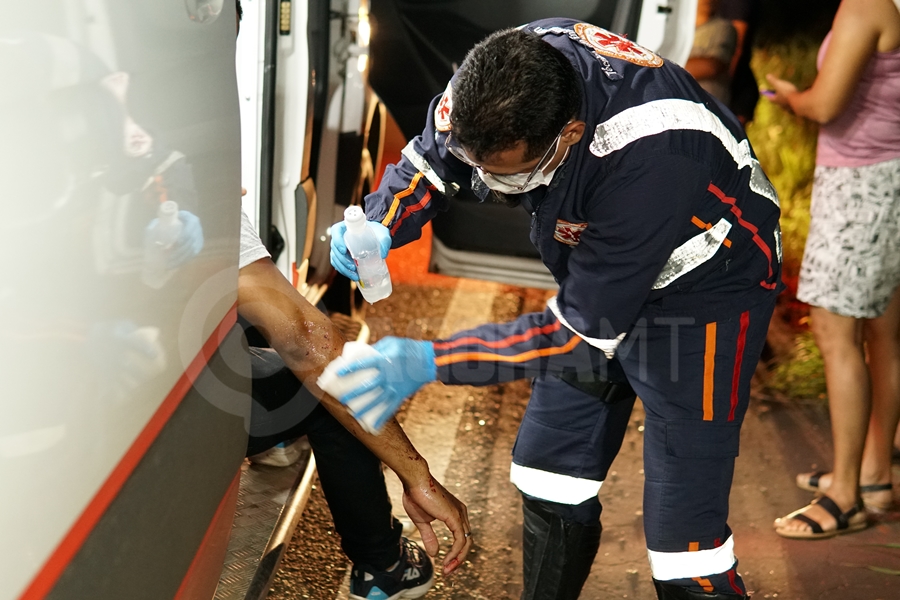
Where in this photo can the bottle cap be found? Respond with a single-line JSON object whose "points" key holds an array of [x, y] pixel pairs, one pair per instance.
{"points": [[168, 211], [354, 217]]}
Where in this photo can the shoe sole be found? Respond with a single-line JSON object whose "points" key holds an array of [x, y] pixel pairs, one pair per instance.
{"points": [[276, 457], [408, 594], [878, 509]]}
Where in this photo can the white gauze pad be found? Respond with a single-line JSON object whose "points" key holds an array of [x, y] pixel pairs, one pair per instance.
{"points": [[338, 386]]}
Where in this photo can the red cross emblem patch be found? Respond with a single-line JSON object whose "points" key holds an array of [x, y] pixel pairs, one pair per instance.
{"points": [[615, 46], [442, 112], [568, 233]]}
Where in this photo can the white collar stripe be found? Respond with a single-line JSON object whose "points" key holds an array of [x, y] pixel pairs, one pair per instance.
{"points": [[607, 346]]}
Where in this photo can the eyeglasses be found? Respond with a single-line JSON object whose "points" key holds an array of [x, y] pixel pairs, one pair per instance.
{"points": [[513, 180]]}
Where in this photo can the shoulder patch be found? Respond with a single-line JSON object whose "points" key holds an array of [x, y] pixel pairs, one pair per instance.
{"points": [[568, 233], [442, 112], [606, 43], [605, 66]]}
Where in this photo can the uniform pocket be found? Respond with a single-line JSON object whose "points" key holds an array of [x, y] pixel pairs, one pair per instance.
{"points": [[702, 439]]}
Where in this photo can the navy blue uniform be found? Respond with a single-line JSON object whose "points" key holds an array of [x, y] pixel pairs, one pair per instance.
{"points": [[662, 232]]}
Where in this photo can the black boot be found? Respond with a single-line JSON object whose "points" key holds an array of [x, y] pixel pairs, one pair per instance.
{"points": [[558, 553], [667, 591]]}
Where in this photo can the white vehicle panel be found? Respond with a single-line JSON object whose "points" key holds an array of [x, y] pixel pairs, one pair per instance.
{"points": [[667, 28], [249, 59], [292, 95], [108, 109]]}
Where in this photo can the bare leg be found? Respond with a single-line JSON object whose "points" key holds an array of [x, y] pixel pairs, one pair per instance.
{"points": [[847, 378], [882, 337]]}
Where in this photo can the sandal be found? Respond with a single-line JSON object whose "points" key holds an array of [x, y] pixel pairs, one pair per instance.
{"points": [[871, 505], [853, 520], [810, 483]]}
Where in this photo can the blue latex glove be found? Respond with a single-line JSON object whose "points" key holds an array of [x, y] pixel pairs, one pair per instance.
{"points": [[189, 243], [340, 256], [403, 367]]}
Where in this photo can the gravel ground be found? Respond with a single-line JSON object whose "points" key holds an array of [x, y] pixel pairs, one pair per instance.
{"points": [[314, 564], [778, 440]]}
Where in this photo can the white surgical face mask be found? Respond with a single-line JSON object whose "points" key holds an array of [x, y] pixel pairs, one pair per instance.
{"points": [[516, 183]]}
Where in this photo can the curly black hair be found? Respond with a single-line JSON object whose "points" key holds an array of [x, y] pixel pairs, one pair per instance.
{"points": [[238, 9], [513, 87]]}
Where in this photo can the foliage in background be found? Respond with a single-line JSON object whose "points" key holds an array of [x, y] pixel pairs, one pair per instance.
{"points": [[802, 375], [786, 148], [786, 144]]}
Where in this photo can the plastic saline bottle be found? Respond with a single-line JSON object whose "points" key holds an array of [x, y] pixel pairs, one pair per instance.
{"points": [[374, 278], [158, 244]]}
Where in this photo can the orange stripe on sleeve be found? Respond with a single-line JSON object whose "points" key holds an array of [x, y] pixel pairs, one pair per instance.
{"points": [[693, 546], [709, 367], [411, 210], [505, 342], [449, 359], [399, 196]]}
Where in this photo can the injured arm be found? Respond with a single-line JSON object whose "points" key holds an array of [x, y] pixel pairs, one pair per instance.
{"points": [[307, 341]]}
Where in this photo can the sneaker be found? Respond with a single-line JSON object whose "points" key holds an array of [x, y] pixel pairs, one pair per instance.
{"points": [[281, 455], [411, 577]]}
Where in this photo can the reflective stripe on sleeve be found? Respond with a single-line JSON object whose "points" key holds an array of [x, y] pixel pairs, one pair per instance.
{"points": [[666, 566], [553, 487], [607, 346], [778, 241], [419, 162], [693, 253], [672, 114], [458, 357], [395, 205]]}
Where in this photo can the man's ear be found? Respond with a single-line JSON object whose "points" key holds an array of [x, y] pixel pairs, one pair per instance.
{"points": [[573, 133]]}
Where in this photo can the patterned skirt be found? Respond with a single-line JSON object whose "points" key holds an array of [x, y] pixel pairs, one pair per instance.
{"points": [[851, 265]]}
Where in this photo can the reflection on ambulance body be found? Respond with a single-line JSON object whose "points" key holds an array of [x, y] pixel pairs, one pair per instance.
{"points": [[100, 126]]}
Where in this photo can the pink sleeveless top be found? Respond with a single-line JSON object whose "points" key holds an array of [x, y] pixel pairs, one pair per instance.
{"points": [[868, 130]]}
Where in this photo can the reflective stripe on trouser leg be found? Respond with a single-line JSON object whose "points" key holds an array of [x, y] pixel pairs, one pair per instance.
{"points": [[686, 492], [566, 442], [553, 487], [695, 389]]}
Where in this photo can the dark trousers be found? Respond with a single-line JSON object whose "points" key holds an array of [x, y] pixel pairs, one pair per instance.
{"points": [[694, 381], [350, 474]]}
